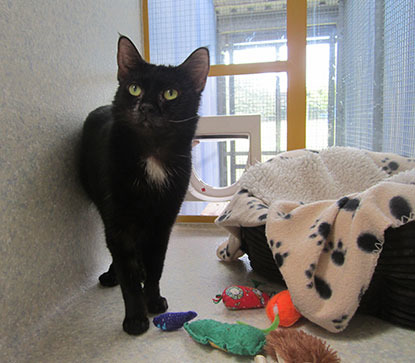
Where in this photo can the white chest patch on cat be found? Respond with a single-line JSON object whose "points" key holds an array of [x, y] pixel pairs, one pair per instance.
{"points": [[155, 171]]}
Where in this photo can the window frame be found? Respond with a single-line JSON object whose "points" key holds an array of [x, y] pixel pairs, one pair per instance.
{"points": [[294, 66]]}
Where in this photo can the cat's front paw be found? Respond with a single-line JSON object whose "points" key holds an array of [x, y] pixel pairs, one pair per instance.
{"points": [[108, 279], [136, 326], [157, 306]]}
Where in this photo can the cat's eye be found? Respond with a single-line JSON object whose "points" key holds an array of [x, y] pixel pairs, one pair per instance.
{"points": [[134, 90], [170, 94]]}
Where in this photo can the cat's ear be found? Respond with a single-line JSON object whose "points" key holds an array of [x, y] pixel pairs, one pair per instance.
{"points": [[128, 57], [197, 65]]}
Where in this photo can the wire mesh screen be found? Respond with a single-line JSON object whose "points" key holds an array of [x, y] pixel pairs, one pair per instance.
{"points": [[322, 19], [176, 28], [357, 44], [376, 76], [236, 32], [360, 69], [399, 77], [253, 24]]}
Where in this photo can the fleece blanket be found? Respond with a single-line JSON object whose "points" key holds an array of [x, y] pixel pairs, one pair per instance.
{"points": [[325, 214]]}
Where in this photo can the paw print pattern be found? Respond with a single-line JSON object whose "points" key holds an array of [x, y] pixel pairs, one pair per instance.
{"points": [[279, 257], [257, 205], [315, 224], [284, 215], [338, 254], [390, 166], [323, 231], [348, 204], [224, 253], [322, 287], [245, 191], [309, 274], [400, 208], [339, 322], [369, 243], [225, 216], [263, 217]]}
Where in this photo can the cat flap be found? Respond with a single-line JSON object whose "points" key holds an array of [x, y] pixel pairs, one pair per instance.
{"points": [[197, 65], [127, 57]]}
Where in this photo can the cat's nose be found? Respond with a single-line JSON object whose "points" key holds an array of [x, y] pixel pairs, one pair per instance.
{"points": [[146, 107]]}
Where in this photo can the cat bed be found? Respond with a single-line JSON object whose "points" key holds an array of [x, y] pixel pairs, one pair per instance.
{"points": [[335, 226], [391, 293]]}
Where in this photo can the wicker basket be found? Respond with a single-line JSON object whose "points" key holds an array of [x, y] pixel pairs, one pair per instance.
{"points": [[391, 294]]}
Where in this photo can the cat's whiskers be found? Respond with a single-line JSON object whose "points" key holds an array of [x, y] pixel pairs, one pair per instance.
{"points": [[184, 156], [184, 120], [107, 197], [178, 169], [136, 182]]}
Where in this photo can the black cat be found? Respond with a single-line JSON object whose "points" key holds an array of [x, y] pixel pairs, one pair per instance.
{"points": [[136, 165]]}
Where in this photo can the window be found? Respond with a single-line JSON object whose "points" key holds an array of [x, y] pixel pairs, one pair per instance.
{"points": [[234, 31], [360, 82], [376, 81]]}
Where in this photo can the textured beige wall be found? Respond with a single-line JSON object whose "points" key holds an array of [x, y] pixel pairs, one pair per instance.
{"points": [[57, 63]]}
